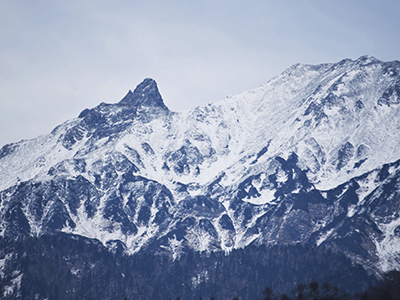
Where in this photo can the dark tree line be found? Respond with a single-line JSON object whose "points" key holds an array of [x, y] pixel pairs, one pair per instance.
{"points": [[69, 267], [387, 289]]}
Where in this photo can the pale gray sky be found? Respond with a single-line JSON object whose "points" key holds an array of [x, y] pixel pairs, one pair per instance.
{"points": [[60, 57]]}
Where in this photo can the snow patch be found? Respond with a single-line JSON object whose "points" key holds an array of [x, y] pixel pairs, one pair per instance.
{"points": [[388, 249], [324, 236]]}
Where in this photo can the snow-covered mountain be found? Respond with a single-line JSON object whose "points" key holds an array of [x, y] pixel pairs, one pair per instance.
{"points": [[312, 157]]}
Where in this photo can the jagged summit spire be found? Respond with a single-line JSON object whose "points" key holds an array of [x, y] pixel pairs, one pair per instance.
{"points": [[145, 94]]}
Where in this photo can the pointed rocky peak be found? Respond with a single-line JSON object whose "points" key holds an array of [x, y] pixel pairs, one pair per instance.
{"points": [[145, 94], [366, 60]]}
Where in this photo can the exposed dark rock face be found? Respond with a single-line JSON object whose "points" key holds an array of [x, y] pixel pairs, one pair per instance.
{"points": [[146, 94]]}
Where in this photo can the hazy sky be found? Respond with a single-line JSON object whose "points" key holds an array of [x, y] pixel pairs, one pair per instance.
{"points": [[60, 57]]}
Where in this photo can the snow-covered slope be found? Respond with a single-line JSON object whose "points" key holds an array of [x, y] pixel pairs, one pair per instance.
{"points": [[265, 166]]}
